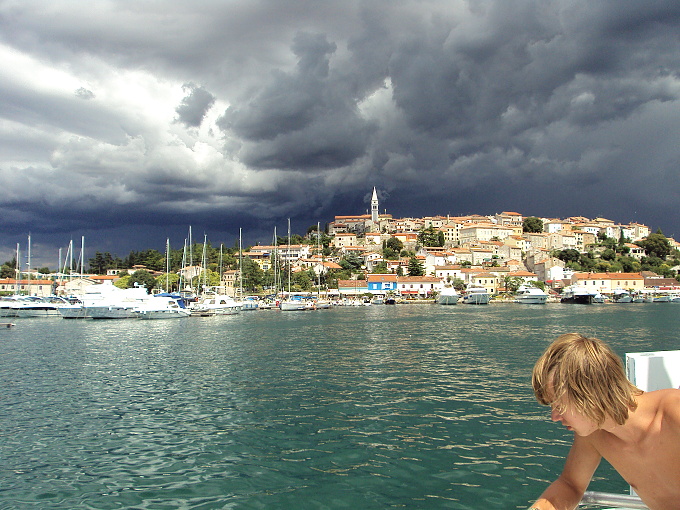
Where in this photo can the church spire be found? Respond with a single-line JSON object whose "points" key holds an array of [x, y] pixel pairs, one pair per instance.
{"points": [[374, 206]]}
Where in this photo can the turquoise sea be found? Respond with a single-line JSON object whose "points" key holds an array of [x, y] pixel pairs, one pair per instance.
{"points": [[408, 406]]}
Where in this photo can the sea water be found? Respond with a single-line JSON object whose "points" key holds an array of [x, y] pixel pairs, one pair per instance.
{"points": [[407, 406]]}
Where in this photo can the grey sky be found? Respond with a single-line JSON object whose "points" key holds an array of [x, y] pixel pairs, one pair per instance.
{"points": [[126, 122]]}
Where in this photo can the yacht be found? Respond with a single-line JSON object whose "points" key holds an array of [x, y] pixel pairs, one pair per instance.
{"points": [[215, 304], [622, 296], [476, 296], [577, 294], [161, 307], [448, 296], [530, 295], [293, 304], [32, 306], [115, 303]]}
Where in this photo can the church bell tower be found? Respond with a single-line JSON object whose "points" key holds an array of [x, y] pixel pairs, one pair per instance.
{"points": [[374, 207]]}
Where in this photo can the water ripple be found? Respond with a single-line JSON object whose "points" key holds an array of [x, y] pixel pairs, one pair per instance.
{"points": [[409, 406]]}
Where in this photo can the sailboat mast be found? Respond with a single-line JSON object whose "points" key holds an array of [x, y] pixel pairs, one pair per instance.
{"points": [[28, 263], [18, 273], [82, 255], [240, 264], [204, 261], [191, 249], [221, 246], [167, 265], [184, 266]]}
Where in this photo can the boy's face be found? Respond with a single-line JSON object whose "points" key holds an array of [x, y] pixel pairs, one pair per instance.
{"points": [[571, 419]]}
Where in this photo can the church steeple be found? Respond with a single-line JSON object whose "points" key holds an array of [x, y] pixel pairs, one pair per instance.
{"points": [[374, 206]]}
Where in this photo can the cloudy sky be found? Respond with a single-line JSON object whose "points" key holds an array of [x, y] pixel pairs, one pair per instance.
{"points": [[128, 121]]}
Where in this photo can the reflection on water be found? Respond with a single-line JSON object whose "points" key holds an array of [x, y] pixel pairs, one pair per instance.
{"points": [[369, 407]]}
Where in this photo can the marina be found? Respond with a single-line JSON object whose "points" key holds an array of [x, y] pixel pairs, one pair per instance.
{"points": [[366, 407]]}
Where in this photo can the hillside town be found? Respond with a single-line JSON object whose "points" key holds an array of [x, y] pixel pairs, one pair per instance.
{"points": [[495, 252], [477, 250]]}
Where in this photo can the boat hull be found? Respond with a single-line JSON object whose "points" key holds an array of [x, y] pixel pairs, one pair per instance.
{"points": [[580, 299], [532, 300], [292, 306], [447, 300], [161, 314], [110, 312]]}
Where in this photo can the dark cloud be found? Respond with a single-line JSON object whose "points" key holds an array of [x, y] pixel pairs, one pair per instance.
{"points": [[127, 118], [195, 105]]}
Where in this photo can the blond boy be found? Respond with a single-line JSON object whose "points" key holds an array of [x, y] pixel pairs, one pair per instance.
{"points": [[637, 432]]}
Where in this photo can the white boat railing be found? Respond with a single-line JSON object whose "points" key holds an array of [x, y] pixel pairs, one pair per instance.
{"points": [[620, 501]]}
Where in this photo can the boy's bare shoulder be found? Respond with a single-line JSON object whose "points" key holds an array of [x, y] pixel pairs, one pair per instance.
{"points": [[669, 404]]}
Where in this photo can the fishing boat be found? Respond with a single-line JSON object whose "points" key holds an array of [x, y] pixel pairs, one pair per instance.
{"points": [[530, 295], [448, 296]]}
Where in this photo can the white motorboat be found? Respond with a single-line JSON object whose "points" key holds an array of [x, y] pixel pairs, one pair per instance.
{"points": [[215, 304], [622, 296], [249, 303], [292, 305], [163, 307], [530, 295], [476, 296], [109, 302], [448, 296], [31, 306], [598, 298], [577, 294], [661, 297]]}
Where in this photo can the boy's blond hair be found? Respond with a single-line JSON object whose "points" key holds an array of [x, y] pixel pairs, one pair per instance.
{"points": [[588, 375]]}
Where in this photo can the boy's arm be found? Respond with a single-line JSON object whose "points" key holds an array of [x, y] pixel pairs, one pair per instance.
{"points": [[566, 492]]}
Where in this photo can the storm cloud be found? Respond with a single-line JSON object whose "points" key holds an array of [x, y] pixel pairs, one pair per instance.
{"points": [[129, 122]]}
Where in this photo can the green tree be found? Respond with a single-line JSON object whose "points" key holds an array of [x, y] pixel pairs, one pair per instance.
{"points": [[394, 244], [458, 284], [608, 254], [415, 268], [431, 236], [351, 262], [122, 282], [302, 281], [8, 269], [168, 282], [538, 283], [629, 264], [656, 245], [390, 254], [513, 283], [142, 277], [101, 262], [532, 224], [380, 268], [253, 276]]}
